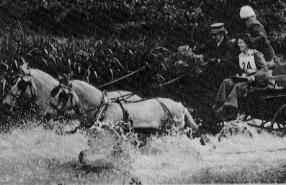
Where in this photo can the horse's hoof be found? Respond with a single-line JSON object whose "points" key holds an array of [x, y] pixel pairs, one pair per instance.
{"points": [[81, 157], [202, 141]]}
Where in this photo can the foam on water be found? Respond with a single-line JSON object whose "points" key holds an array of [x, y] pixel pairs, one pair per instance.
{"points": [[38, 156], [237, 159], [33, 153]]}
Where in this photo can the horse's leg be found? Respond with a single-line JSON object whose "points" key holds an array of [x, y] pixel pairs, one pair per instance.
{"points": [[189, 120], [190, 123], [85, 157]]}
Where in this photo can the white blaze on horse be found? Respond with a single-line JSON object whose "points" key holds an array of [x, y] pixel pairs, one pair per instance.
{"points": [[34, 84], [155, 113]]}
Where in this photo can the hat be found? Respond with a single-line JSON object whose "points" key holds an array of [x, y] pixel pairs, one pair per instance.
{"points": [[217, 28], [246, 11]]}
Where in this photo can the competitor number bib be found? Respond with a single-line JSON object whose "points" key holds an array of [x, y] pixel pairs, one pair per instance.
{"points": [[247, 62]]}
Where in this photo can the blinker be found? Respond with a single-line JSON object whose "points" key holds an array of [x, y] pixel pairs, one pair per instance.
{"points": [[55, 91], [63, 96], [22, 85]]}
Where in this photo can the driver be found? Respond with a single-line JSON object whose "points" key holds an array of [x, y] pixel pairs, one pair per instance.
{"points": [[258, 34]]}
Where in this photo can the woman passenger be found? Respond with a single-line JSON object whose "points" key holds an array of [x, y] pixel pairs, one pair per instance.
{"points": [[252, 65]]}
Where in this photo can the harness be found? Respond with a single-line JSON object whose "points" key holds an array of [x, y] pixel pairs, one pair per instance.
{"points": [[75, 108], [170, 117], [126, 115], [102, 109], [123, 98], [99, 113], [21, 94]]}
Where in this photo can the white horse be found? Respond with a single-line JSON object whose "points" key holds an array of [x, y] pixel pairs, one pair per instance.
{"points": [[155, 113], [34, 84], [84, 97]]}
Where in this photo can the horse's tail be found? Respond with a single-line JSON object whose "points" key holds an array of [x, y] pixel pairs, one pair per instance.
{"points": [[190, 122]]}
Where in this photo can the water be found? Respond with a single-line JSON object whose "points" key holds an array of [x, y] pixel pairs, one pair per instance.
{"points": [[34, 155]]}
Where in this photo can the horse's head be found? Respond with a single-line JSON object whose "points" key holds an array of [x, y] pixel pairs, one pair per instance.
{"points": [[63, 98], [24, 86]]}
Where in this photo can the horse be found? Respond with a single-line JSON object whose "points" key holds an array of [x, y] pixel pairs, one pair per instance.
{"points": [[85, 96], [153, 113], [107, 143], [36, 85]]}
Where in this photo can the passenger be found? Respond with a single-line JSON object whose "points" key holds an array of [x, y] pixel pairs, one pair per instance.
{"points": [[258, 33], [218, 56], [218, 53], [252, 65]]}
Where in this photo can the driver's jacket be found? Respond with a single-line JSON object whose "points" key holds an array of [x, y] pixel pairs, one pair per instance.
{"points": [[259, 38], [222, 62]]}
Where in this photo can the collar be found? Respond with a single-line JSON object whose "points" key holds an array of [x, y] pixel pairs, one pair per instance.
{"points": [[250, 52]]}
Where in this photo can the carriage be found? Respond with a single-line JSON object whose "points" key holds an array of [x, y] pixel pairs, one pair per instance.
{"points": [[268, 103]]}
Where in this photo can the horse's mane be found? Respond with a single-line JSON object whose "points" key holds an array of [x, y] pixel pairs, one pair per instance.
{"points": [[43, 77], [86, 91]]}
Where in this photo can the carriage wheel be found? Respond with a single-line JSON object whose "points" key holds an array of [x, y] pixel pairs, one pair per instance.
{"points": [[275, 117]]}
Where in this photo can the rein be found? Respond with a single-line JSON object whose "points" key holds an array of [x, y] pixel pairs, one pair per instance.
{"points": [[126, 76], [126, 96]]}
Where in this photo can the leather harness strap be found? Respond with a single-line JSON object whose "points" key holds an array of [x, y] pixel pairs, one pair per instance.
{"points": [[126, 115], [165, 108], [16, 97], [101, 111], [103, 108]]}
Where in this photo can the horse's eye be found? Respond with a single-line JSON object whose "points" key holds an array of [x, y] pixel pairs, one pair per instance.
{"points": [[55, 91], [22, 85]]}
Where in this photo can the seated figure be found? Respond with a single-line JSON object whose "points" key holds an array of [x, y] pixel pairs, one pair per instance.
{"points": [[215, 59], [252, 65]]}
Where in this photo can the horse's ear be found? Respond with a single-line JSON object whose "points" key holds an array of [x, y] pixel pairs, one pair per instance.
{"points": [[105, 92], [24, 68], [64, 79], [69, 86]]}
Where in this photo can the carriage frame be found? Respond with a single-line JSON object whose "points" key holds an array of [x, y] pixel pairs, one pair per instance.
{"points": [[267, 103]]}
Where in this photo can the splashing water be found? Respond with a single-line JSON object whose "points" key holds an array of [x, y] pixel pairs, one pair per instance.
{"points": [[34, 155], [238, 159]]}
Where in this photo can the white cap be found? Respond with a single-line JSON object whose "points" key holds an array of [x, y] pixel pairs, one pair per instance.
{"points": [[217, 28], [246, 11]]}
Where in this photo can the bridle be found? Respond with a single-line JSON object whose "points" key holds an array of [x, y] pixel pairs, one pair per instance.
{"points": [[98, 110], [68, 98], [22, 90]]}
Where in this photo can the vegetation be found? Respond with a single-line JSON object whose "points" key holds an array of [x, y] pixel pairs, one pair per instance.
{"points": [[99, 41]]}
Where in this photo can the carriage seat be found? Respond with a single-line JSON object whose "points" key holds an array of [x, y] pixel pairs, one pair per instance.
{"points": [[277, 87], [271, 90]]}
